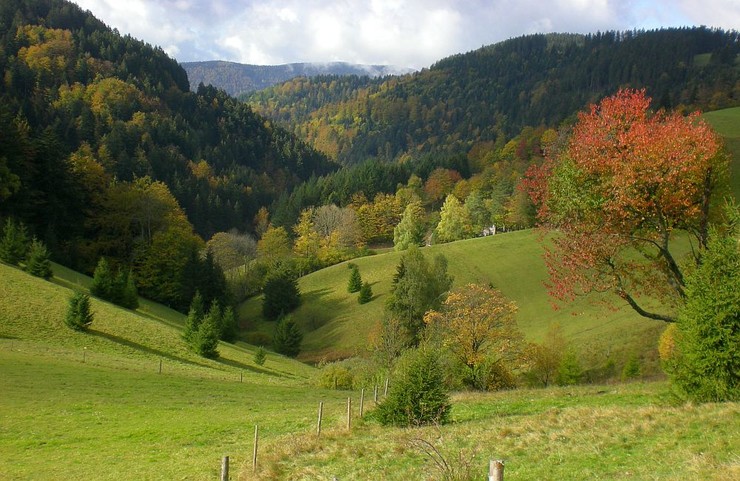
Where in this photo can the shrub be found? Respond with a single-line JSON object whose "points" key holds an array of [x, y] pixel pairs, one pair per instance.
{"points": [[631, 369], [570, 371], [418, 396], [79, 317], [260, 356], [335, 376]]}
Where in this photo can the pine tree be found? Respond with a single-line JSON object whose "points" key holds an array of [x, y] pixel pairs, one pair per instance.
{"points": [[79, 317], [195, 317], [103, 281], [287, 339], [205, 341], [366, 293], [355, 279], [14, 242], [281, 293], [38, 263], [228, 325], [130, 295]]}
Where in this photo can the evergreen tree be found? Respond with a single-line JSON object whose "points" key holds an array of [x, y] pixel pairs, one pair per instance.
{"points": [[129, 295], [366, 293], [79, 317], [38, 263], [205, 341], [418, 396], [570, 371], [287, 339], [14, 242], [706, 366], [281, 293], [103, 280], [195, 317], [355, 279], [260, 356], [228, 325]]}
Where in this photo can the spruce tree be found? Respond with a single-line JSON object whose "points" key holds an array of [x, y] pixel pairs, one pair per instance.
{"points": [[103, 281], [205, 341], [129, 294], [38, 263], [355, 280], [195, 317], [228, 325], [79, 317], [366, 293], [281, 293], [287, 339], [14, 243]]}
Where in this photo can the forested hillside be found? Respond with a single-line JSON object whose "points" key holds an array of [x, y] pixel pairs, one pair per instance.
{"points": [[487, 96], [104, 151], [238, 79]]}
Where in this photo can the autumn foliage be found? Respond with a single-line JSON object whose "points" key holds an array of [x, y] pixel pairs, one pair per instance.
{"points": [[618, 191]]}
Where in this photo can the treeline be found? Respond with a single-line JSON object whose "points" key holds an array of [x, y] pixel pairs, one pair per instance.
{"points": [[494, 92], [104, 151]]}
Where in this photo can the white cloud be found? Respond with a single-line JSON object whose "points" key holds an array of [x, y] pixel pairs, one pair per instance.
{"points": [[405, 33]]}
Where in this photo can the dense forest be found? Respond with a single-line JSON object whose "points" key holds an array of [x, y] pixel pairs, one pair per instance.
{"points": [[476, 99], [104, 151]]}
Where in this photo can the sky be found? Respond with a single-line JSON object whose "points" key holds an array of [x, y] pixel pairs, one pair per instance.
{"points": [[404, 33]]}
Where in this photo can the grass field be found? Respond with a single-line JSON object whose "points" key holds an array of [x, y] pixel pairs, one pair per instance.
{"points": [[727, 123], [337, 326]]}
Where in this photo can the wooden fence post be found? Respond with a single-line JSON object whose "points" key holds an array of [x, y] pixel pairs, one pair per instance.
{"points": [[225, 468], [160, 366], [254, 453], [385, 393], [496, 470], [375, 394], [318, 423], [241, 376], [349, 414], [362, 401]]}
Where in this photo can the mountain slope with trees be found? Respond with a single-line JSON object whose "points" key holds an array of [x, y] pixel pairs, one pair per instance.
{"points": [[480, 98]]}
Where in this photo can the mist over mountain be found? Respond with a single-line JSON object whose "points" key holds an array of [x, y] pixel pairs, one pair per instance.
{"points": [[237, 78]]}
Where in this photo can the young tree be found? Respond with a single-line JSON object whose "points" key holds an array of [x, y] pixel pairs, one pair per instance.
{"points": [[545, 358], [274, 246], [228, 325], [366, 293], [570, 371], [38, 263], [411, 229], [417, 396], [307, 242], [79, 317], [477, 324], [615, 194], [205, 341], [705, 365], [14, 242], [417, 288], [103, 280], [355, 279], [260, 356], [195, 317], [288, 337], [281, 293]]}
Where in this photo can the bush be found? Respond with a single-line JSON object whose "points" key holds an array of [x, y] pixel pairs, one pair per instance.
{"points": [[79, 317], [631, 369], [418, 396], [335, 376], [287, 339], [260, 356]]}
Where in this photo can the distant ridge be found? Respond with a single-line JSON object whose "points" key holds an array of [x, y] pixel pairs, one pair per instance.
{"points": [[237, 78]]}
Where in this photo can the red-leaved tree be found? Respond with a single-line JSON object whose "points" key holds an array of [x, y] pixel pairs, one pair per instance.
{"points": [[618, 192]]}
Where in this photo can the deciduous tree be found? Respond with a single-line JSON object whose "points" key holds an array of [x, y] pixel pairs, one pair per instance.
{"points": [[626, 182]]}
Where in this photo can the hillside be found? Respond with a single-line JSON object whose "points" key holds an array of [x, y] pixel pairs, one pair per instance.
{"points": [[727, 123], [337, 326], [489, 95], [238, 79]]}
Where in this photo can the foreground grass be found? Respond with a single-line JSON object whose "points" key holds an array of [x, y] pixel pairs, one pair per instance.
{"points": [[611, 432]]}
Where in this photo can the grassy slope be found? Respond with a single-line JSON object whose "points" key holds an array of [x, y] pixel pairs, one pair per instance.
{"points": [[336, 325], [727, 123]]}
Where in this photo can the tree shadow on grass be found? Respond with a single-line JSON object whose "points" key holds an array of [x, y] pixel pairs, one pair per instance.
{"points": [[247, 367], [317, 311], [142, 348]]}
